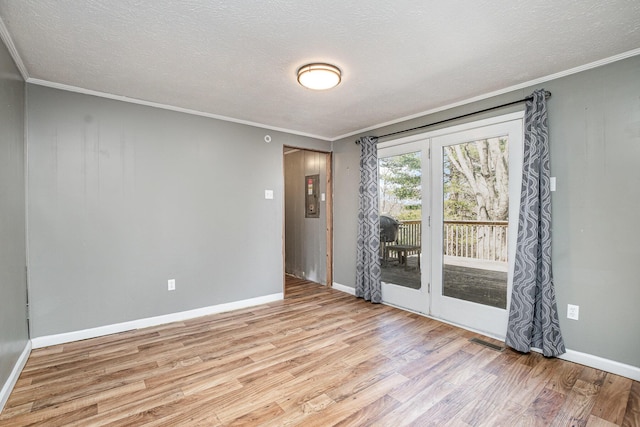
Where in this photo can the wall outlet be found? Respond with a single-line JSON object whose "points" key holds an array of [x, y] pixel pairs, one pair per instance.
{"points": [[171, 284], [573, 311]]}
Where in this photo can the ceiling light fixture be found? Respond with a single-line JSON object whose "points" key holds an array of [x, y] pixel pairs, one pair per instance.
{"points": [[319, 76]]}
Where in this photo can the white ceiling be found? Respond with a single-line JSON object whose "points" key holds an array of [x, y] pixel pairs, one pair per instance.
{"points": [[238, 59]]}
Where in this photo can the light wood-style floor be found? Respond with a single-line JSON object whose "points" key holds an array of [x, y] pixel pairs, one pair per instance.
{"points": [[318, 358]]}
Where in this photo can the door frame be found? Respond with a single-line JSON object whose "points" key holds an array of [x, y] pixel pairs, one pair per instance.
{"points": [[491, 321], [328, 212], [428, 245], [415, 300]]}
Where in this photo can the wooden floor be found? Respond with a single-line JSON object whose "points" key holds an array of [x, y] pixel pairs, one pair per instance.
{"points": [[319, 358]]}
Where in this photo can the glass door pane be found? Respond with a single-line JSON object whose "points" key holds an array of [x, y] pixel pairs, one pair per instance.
{"points": [[401, 218], [402, 173], [476, 174], [475, 188]]}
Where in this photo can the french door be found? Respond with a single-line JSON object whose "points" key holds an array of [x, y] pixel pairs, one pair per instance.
{"points": [[454, 194], [403, 171]]}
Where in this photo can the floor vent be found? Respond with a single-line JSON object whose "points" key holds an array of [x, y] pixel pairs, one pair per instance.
{"points": [[487, 344]]}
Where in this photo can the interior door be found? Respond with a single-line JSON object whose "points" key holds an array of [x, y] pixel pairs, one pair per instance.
{"points": [[403, 235], [476, 176]]}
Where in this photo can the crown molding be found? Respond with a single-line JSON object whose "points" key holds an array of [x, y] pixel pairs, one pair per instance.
{"points": [[524, 85], [107, 95], [8, 41]]}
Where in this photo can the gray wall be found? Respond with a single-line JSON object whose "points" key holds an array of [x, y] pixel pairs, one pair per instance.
{"points": [[13, 302], [123, 197], [594, 120], [306, 238]]}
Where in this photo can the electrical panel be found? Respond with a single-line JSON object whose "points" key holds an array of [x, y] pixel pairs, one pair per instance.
{"points": [[312, 199]]}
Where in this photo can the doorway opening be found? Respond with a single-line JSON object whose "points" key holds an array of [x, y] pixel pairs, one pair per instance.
{"points": [[308, 216]]}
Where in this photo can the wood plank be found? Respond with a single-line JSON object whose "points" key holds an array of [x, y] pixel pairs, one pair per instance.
{"points": [[578, 404], [565, 378], [361, 397], [611, 402], [543, 409], [113, 410], [535, 382], [67, 408], [371, 412], [258, 417], [451, 404], [254, 396], [422, 378], [416, 405], [303, 407], [632, 414], [594, 421], [479, 412]]}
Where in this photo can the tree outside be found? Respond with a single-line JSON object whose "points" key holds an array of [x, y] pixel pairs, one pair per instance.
{"points": [[476, 180], [476, 188], [401, 186]]}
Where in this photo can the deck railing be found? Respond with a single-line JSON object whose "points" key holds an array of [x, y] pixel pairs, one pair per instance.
{"points": [[409, 233], [485, 240]]}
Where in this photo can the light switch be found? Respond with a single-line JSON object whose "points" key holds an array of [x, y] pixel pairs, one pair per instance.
{"points": [[322, 197], [268, 194], [552, 183]]}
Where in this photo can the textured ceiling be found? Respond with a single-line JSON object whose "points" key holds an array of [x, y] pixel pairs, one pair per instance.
{"points": [[238, 59]]}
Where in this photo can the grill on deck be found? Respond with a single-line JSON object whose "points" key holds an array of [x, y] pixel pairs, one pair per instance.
{"points": [[388, 229]]}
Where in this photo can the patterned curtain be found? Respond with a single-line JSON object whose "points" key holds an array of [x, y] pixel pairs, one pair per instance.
{"points": [[533, 317], [368, 285]]}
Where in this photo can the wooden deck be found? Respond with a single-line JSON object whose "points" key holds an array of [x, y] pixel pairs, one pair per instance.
{"points": [[319, 358], [483, 282]]}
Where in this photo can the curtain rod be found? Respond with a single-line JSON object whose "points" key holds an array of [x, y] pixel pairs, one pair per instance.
{"points": [[508, 104]]}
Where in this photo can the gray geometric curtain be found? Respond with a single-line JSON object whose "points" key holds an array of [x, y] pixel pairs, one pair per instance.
{"points": [[368, 273], [533, 317]]}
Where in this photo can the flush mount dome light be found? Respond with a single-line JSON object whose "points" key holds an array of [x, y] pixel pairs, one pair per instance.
{"points": [[319, 76]]}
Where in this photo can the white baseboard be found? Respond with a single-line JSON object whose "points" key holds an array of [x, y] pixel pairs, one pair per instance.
{"points": [[13, 377], [342, 288], [66, 337], [628, 371]]}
